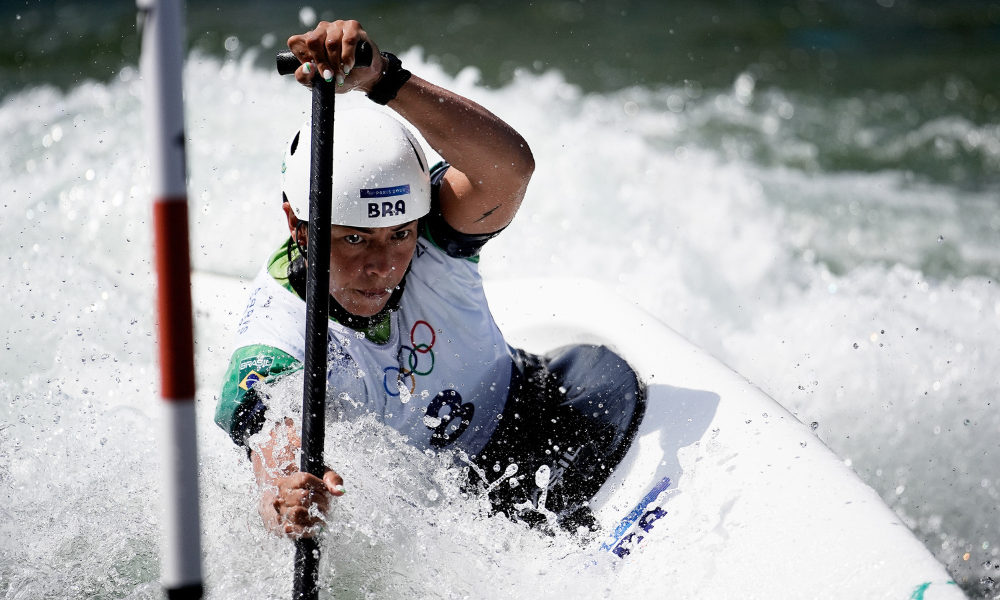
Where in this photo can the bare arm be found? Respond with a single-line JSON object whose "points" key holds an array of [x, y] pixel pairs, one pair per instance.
{"points": [[491, 163], [287, 493]]}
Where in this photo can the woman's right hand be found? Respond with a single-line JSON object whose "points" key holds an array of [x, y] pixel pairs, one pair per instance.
{"points": [[285, 504], [287, 495]]}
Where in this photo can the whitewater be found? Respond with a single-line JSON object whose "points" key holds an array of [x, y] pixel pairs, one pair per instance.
{"points": [[863, 300]]}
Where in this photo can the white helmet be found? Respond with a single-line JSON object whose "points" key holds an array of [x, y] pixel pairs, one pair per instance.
{"points": [[380, 175]]}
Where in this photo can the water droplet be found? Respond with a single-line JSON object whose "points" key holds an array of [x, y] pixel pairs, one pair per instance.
{"points": [[855, 346], [814, 426], [803, 444], [966, 421], [307, 16], [542, 476], [940, 239]]}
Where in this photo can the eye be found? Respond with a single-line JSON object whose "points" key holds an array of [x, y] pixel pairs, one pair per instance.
{"points": [[353, 239], [402, 234]]}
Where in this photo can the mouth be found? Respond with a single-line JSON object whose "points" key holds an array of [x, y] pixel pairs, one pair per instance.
{"points": [[374, 294]]}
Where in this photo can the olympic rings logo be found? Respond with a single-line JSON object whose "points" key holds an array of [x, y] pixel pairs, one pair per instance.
{"points": [[417, 352]]}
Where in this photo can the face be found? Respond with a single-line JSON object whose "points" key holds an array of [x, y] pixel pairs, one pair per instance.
{"points": [[366, 265]]}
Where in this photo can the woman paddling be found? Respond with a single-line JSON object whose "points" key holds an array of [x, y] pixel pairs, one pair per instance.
{"points": [[411, 336]]}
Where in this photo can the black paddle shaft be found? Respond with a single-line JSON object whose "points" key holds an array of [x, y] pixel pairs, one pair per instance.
{"points": [[288, 62], [307, 550], [317, 310]]}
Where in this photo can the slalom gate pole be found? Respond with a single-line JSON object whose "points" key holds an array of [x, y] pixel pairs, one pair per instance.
{"points": [[161, 64], [307, 551]]}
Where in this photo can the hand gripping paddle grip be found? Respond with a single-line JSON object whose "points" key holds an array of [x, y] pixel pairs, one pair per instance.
{"points": [[288, 62]]}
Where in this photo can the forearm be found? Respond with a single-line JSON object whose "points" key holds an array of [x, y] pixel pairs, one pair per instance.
{"points": [[276, 456], [471, 138], [491, 162]]}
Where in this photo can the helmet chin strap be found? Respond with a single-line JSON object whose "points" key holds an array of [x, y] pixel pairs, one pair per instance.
{"points": [[300, 228]]}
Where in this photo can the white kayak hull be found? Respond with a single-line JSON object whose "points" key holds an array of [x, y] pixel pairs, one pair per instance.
{"points": [[720, 468]]}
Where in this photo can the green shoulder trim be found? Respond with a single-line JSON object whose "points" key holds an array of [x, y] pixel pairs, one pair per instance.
{"points": [[277, 265], [248, 366], [426, 233]]}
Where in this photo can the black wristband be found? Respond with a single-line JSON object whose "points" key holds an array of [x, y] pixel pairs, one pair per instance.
{"points": [[393, 78]]}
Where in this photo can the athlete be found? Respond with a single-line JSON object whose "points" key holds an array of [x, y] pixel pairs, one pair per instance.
{"points": [[411, 336]]}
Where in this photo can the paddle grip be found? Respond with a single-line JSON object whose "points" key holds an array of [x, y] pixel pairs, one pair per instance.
{"points": [[287, 62]]}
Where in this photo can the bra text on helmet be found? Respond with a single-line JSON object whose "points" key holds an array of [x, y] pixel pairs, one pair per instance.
{"points": [[388, 209]]}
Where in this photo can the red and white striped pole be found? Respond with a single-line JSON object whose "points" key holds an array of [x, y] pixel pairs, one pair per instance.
{"points": [[162, 60]]}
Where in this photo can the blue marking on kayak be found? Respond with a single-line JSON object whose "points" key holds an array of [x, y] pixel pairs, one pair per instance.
{"points": [[399, 190], [633, 516], [918, 594]]}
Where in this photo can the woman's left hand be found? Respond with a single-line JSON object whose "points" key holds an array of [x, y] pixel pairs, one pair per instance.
{"points": [[329, 52]]}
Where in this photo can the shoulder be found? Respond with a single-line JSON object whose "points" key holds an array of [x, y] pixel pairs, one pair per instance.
{"points": [[439, 280], [274, 316], [435, 229], [431, 261], [238, 407]]}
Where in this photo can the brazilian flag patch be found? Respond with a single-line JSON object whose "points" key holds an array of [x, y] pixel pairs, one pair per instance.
{"points": [[254, 369], [251, 378]]}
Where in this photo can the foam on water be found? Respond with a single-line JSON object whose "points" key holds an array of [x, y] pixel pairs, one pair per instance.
{"points": [[704, 206]]}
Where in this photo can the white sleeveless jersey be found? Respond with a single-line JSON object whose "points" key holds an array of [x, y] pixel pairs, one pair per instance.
{"points": [[441, 379]]}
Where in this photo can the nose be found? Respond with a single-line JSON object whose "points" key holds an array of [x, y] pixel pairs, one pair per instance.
{"points": [[378, 262]]}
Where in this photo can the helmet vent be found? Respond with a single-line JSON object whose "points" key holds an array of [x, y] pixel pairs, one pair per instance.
{"points": [[417, 154], [295, 143]]}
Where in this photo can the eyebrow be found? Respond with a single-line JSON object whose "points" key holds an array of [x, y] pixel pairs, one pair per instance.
{"points": [[370, 230]]}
